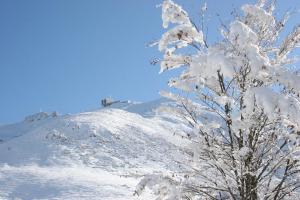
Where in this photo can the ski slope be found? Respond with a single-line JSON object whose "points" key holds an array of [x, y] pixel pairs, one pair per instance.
{"points": [[99, 154]]}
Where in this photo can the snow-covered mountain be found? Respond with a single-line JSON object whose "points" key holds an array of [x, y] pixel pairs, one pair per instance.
{"points": [[100, 154]]}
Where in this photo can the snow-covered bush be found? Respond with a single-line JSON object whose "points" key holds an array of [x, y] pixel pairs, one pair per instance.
{"points": [[40, 116], [57, 136], [243, 102]]}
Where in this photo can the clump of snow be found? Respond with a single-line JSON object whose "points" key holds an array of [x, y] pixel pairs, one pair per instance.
{"points": [[173, 13], [241, 34], [180, 36], [207, 65], [258, 14], [172, 61], [184, 33], [163, 187]]}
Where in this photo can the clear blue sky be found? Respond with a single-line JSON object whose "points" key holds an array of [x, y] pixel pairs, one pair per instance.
{"points": [[65, 55]]}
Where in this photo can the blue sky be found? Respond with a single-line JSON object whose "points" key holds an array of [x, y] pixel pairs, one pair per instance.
{"points": [[65, 55]]}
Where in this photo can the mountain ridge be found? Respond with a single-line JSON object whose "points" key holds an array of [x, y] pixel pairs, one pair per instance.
{"points": [[126, 140]]}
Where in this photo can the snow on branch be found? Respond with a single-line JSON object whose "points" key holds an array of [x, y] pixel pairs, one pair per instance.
{"points": [[173, 13]]}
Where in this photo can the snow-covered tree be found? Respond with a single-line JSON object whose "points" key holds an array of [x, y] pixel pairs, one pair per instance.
{"points": [[241, 96]]}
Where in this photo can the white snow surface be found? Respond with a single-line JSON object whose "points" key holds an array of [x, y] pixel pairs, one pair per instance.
{"points": [[99, 154]]}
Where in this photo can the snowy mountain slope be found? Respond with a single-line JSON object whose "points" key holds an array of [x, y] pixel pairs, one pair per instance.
{"points": [[93, 155]]}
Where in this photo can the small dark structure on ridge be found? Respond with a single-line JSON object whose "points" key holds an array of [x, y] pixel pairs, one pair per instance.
{"points": [[108, 101]]}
